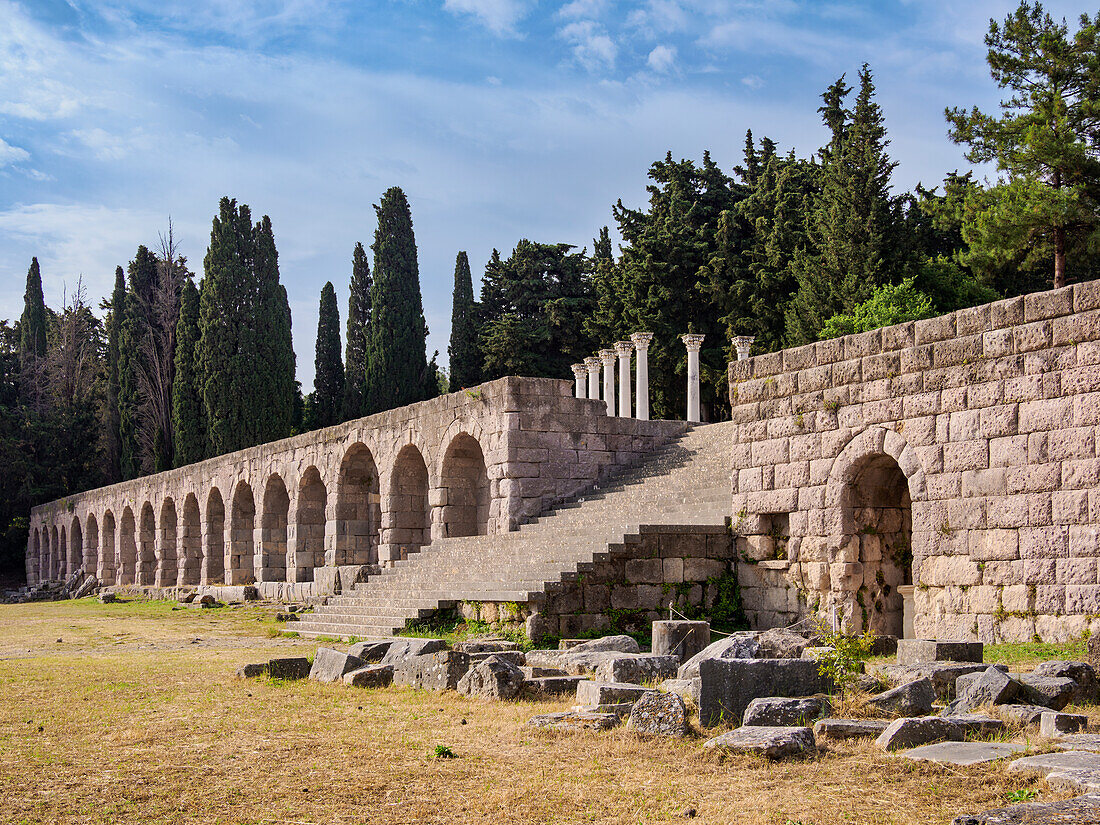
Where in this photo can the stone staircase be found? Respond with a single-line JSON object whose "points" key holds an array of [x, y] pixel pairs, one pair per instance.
{"points": [[684, 483]]}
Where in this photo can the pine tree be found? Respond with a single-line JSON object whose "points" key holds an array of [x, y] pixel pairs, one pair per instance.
{"points": [[32, 339], [135, 457], [328, 381], [397, 362], [273, 386], [187, 409], [464, 353], [358, 331], [111, 439]]}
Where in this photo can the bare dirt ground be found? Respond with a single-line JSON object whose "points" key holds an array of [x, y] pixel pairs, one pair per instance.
{"points": [[132, 713]]}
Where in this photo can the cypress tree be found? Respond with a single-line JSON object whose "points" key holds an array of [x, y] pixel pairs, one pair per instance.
{"points": [[273, 347], [328, 381], [112, 443], [465, 355], [355, 362], [134, 330], [397, 362], [187, 412], [32, 338]]}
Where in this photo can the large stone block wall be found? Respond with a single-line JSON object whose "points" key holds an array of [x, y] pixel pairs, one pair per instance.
{"points": [[365, 492], [957, 455]]}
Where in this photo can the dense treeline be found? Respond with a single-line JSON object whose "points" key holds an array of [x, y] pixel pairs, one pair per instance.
{"points": [[784, 247]]}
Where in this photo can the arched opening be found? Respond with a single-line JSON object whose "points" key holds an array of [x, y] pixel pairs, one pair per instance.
{"points": [[309, 525], [190, 544], [166, 545], [242, 539], [54, 561], [213, 549], [408, 504], [36, 554], [464, 489], [105, 570], [62, 550], [146, 546], [273, 536], [76, 547], [878, 514], [358, 508], [127, 548], [91, 547]]}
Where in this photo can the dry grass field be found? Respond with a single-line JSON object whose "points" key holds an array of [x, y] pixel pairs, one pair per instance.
{"points": [[131, 713]]}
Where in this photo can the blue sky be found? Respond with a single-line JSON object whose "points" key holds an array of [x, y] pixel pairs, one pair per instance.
{"points": [[501, 119]]}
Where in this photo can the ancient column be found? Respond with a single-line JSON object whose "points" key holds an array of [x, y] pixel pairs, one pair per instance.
{"points": [[743, 343], [579, 373], [641, 344], [693, 342], [592, 364], [624, 349], [607, 357]]}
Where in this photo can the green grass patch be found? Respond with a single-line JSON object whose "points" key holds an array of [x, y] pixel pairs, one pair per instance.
{"points": [[1026, 653]]}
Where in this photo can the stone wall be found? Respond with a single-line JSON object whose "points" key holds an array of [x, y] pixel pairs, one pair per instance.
{"points": [[957, 455], [362, 493]]}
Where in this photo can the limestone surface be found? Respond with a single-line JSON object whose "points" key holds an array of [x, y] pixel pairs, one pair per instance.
{"points": [[725, 687], [660, 713], [682, 639], [371, 676], [494, 678], [636, 668], [924, 730], [772, 742], [1054, 692], [1084, 810], [840, 729], [963, 753], [605, 693], [436, 671], [1054, 724], [779, 712], [1080, 672], [911, 699], [574, 720], [920, 651], [330, 665]]}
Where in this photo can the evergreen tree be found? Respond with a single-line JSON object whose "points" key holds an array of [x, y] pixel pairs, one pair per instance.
{"points": [[187, 409], [273, 379], [397, 362], [355, 347], [137, 320], [464, 353], [1045, 143], [328, 382], [111, 438], [33, 338]]}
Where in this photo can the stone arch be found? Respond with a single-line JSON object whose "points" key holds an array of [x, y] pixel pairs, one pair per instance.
{"points": [[190, 543], [146, 546], [213, 548], [273, 530], [462, 497], [309, 525], [91, 546], [36, 550], [61, 554], [242, 537], [167, 569], [76, 547], [358, 507], [127, 548], [869, 495], [105, 570], [406, 518]]}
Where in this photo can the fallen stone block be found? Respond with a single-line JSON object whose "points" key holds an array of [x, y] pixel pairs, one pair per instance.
{"points": [[371, 676], [1078, 742], [553, 685], [726, 686], [289, 668], [330, 665], [924, 730], [574, 720], [622, 709], [774, 743], [990, 687], [372, 652], [473, 646], [535, 672], [663, 714], [737, 646], [840, 729], [978, 725], [1024, 716], [86, 587], [885, 645], [1054, 692], [780, 644], [636, 668], [606, 693], [494, 678], [777, 712], [942, 674], [681, 687], [436, 671], [1074, 781], [513, 657], [920, 651], [962, 753], [1080, 672], [1084, 810], [252, 671], [682, 639], [911, 699], [1046, 763], [609, 644], [1053, 724], [108, 598], [402, 649], [573, 662]]}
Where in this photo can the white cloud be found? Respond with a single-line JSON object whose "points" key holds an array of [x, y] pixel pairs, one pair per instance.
{"points": [[592, 47], [661, 58], [498, 16], [11, 154], [581, 9], [753, 81]]}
